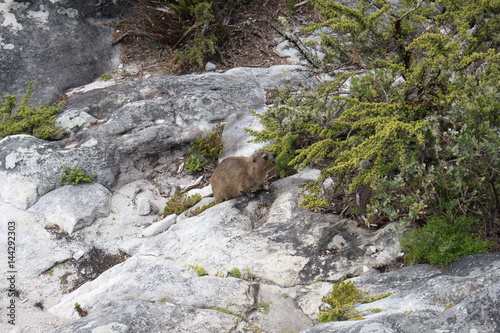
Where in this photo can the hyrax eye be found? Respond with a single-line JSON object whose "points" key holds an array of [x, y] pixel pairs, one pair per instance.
{"points": [[265, 157]]}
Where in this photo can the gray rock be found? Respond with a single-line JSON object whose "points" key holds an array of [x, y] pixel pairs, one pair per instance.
{"points": [[58, 44], [278, 312], [210, 67], [30, 167], [126, 316], [71, 121], [158, 279], [160, 226], [236, 139], [35, 250], [463, 297], [73, 207]]}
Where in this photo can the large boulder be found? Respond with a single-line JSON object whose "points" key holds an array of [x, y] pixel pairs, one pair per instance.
{"points": [[34, 250], [125, 316], [463, 297], [73, 207], [57, 44]]}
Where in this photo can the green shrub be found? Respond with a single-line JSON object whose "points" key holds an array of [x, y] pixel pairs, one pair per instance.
{"points": [[201, 44], [24, 119], [205, 150], [341, 301], [440, 242], [412, 111], [235, 272], [195, 163], [73, 176], [199, 270], [313, 202], [180, 202], [193, 29]]}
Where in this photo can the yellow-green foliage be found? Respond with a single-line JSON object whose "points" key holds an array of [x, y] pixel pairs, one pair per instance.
{"points": [[180, 202], [342, 299], [235, 272], [205, 150], [25, 119], [416, 83], [193, 29], [201, 209], [199, 270], [201, 45], [313, 202], [73, 176]]}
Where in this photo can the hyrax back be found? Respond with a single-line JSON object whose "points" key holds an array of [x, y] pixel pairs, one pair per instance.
{"points": [[238, 175]]}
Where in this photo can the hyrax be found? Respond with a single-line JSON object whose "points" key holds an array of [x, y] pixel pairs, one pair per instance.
{"points": [[238, 175]]}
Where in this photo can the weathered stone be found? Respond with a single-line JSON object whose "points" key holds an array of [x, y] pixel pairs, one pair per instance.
{"points": [[30, 167], [73, 207], [34, 251], [463, 297], [236, 139], [158, 279], [128, 316], [57, 44], [71, 121], [160, 226], [278, 312]]}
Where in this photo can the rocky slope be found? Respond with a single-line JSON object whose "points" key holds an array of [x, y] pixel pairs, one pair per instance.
{"points": [[101, 248]]}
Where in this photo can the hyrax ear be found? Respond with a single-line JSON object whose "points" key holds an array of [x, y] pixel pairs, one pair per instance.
{"points": [[254, 159]]}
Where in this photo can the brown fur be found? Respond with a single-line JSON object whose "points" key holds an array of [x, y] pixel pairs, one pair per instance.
{"points": [[238, 175]]}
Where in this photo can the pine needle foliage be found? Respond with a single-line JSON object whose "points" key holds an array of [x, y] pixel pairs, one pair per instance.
{"points": [[22, 118], [416, 88], [342, 300]]}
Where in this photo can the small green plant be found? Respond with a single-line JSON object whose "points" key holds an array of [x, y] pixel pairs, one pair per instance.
{"points": [[226, 311], [341, 301], [201, 44], [192, 29], [195, 163], [248, 275], [106, 77], [81, 312], [73, 176], [313, 202], [264, 307], [235, 272], [201, 209], [440, 241], [291, 6], [24, 119], [199, 270], [180, 202], [220, 274], [205, 150]]}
